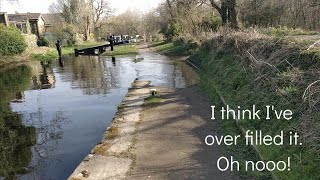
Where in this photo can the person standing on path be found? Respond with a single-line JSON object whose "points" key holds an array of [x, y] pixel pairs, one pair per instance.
{"points": [[58, 46]]}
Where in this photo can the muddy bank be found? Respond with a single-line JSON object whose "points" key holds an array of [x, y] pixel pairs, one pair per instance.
{"points": [[113, 157]]}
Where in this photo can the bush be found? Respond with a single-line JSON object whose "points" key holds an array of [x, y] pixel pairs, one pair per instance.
{"points": [[171, 31], [11, 41], [211, 23], [43, 41], [69, 34]]}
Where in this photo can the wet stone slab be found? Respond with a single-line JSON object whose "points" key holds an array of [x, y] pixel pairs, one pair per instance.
{"points": [[112, 157]]}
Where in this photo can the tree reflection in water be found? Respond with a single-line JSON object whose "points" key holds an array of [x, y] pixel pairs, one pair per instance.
{"points": [[49, 130], [24, 148], [16, 139], [93, 75], [43, 76]]}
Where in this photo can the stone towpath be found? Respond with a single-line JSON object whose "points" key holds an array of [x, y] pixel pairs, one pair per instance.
{"points": [[165, 141], [170, 139]]}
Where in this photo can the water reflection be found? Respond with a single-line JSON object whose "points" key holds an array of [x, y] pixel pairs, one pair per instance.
{"points": [[93, 75], [16, 139], [43, 76], [49, 130], [59, 112]]}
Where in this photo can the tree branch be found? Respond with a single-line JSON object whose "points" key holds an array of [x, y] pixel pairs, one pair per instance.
{"points": [[215, 5]]}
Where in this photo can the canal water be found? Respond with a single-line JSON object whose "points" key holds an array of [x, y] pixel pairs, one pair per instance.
{"points": [[51, 116]]}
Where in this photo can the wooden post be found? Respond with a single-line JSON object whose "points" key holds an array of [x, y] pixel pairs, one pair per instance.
{"points": [[111, 45], [91, 51], [101, 50], [76, 52]]}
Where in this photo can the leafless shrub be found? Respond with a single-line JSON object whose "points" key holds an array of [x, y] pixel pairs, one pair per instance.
{"points": [[312, 94], [308, 129]]}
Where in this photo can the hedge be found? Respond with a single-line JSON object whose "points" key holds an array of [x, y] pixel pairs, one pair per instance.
{"points": [[11, 41]]}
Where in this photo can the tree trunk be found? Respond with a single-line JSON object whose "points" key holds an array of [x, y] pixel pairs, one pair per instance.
{"points": [[227, 12], [233, 14], [224, 13], [87, 30]]}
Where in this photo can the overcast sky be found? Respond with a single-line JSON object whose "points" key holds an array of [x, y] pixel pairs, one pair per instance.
{"points": [[41, 6]]}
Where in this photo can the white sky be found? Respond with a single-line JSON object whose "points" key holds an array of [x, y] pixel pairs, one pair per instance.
{"points": [[41, 6]]}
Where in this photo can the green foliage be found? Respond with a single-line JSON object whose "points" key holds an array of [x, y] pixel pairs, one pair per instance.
{"points": [[50, 55], [69, 33], [11, 41], [284, 31], [211, 23], [43, 41], [172, 30], [152, 101]]}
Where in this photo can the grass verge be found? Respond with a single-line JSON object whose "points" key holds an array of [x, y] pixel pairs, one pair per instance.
{"points": [[284, 31], [174, 48], [152, 101], [122, 50]]}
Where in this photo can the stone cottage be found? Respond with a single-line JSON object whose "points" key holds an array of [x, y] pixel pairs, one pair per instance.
{"points": [[28, 23]]}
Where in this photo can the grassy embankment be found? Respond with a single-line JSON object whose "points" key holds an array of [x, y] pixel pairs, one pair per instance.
{"points": [[253, 69], [174, 48], [122, 50]]}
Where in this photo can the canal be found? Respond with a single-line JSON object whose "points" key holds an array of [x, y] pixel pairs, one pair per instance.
{"points": [[51, 116]]}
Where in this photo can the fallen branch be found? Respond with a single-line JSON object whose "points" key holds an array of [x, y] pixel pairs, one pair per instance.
{"points": [[304, 97], [313, 45]]}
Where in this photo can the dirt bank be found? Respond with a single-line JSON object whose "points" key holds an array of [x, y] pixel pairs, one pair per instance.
{"points": [[6, 61]]}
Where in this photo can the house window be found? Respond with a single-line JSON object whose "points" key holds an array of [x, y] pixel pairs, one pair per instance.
{"points": [[22, 27], [33, 28]]}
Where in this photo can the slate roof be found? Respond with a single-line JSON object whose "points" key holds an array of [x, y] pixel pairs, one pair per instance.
{"points": [[52, 18], [22, 17]]}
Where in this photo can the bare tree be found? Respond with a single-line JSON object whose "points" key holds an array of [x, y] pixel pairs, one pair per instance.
{"points": [[129, 22], [290, 13], [101, 11]]}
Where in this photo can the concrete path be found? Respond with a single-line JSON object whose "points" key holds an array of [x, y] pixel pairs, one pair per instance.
{"points": [[170, 139]]}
